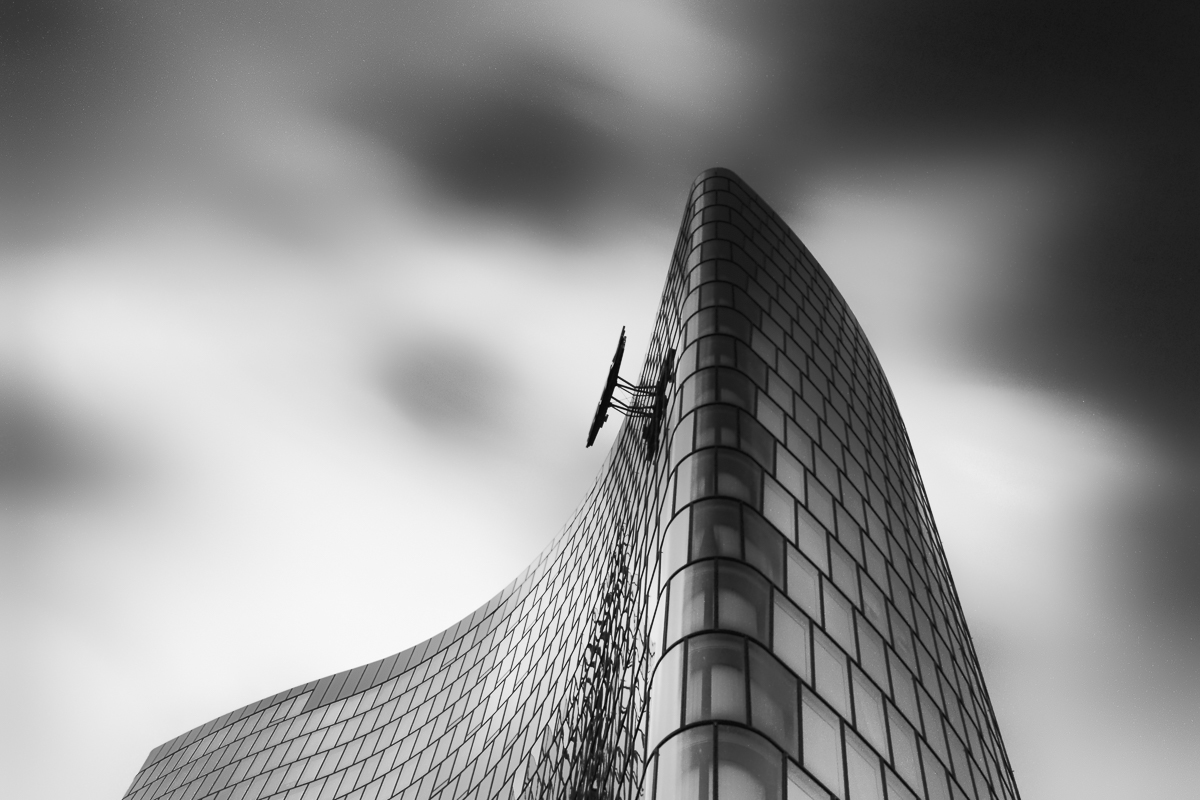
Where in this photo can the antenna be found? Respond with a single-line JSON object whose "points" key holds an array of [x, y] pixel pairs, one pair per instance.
{"points": [[610, 385], [645, 401]]}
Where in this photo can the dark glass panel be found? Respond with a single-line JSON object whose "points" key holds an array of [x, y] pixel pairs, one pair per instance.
{"points": [[716, 678], [716, 425], [738, 477], [764, 547], [773, 700], [755, 440], [716, 529], [692, 601], [717, 351], [743, 600]]}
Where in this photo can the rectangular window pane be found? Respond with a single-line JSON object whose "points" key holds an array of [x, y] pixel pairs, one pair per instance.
{"points": [[791, 639], [773, 700], [896, 790], [829, 663], [839, 619], [811, 538], [822, 742], [764, 547], [935, 775], [716, 684], [802, 787], [862, 770], [871, 652], [904, 748], [804, 584], [868, 712]]}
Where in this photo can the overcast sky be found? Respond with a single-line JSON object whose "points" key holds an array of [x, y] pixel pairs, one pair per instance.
{"points": [[304, 309]]}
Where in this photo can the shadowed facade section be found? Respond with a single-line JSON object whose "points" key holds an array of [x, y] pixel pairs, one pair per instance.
{"points": [[762, 609]]}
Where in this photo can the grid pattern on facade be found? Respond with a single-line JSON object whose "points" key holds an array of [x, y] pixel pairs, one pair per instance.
{"points": [[763, 610], [812, 640]]}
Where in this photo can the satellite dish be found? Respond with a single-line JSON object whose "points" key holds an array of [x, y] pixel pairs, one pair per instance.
{"points": [[610, 386]]}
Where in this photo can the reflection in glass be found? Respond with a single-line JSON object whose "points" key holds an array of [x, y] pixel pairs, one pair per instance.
{"points": [[666, 693], [738, 476], [822, 742], [811, 538], [692, 603], [743, 600], [716, 425], [748, 767], [675, 542], [716, 530], [773, 700], [716, 678], [764, 547], [685, 766], [717, 351]]}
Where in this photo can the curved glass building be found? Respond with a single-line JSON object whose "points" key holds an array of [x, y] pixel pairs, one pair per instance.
{"points": [[752, 602]]}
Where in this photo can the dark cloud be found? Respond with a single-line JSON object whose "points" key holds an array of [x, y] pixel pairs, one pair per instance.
{"points": [[450, 388], [50, 457]]}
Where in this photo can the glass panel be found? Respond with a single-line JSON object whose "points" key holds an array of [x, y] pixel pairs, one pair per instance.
{"points": [[681, 439], [716, 425], [675, 542], [743, 600], [773, 700], [685, 766], [822, 742], [692, 604], [666, 694], [896, 790], [868, 712], [716, 530], [839, 619], [779, 507], [716, 685], [862, 770], [903, 692], [748, 767], [811, 538], [904, 748], [935, 775], [829, 663], [738, 476], [717, 351], [844, 571], [804, 584], [802, 787], [874, 606], [791, 641], [755, 441], [764, 547]]}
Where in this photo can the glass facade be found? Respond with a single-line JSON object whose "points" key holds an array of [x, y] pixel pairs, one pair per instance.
{"points": [[758, 608]]}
